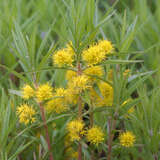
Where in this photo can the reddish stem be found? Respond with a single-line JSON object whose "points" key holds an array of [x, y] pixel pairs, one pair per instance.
{"points": [[79, 151], [46, 130], [44, 121], [112, 126], [156, 157]]}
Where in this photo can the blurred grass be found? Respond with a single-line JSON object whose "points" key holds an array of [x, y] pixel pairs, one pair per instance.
{"points": [[38, 19], [31, 30]]}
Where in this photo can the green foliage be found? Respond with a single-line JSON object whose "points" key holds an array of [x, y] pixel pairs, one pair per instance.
{"points": [[31, 31]]}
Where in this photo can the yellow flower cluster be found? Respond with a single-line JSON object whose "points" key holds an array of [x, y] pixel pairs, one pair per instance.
{"points": [[79, 83], [26, 114], [93, 71], [97, 53], [64, 56], [58, 104], [44, 92], [95, 135], [107, 93], [70, 74], [72, 97], [27, 92], [105, 46], [76, 85], [75, 129], [127, 139], [106, 98]]}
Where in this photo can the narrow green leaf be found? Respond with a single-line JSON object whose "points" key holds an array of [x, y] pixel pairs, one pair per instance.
{"points": [[121, 61], [20, 149]]}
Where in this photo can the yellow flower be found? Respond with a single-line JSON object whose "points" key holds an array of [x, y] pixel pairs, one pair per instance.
{"points": [[44, 92], [64, 56], [60, 92], [127, 139], [72, 96], [95, 135], [93, 55], [106, 46], [97, 53], [94, 71], [75, 129], [27, 92], [58, 104], [26, 114], [106, 98], [70, 74], [107, 93], [79, 83]]}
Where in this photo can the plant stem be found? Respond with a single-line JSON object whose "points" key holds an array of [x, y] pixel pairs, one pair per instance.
{"points": [[112, 125], [91, 125], [79, 151], [156, 157], [79, 72], [46, 130], [44, 120]]}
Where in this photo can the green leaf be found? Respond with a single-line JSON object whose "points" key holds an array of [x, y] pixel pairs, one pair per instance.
{"points": [[21, 46], [121, 61], [42, 46], [44, 143], [15, 73], [108, 15], [128, 39], [134, 86], [96, 88], [15, 92], [133, 77], [20, 149]]}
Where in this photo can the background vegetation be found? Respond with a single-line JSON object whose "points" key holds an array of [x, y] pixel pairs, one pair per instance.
{"points": [[31, 30]]}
